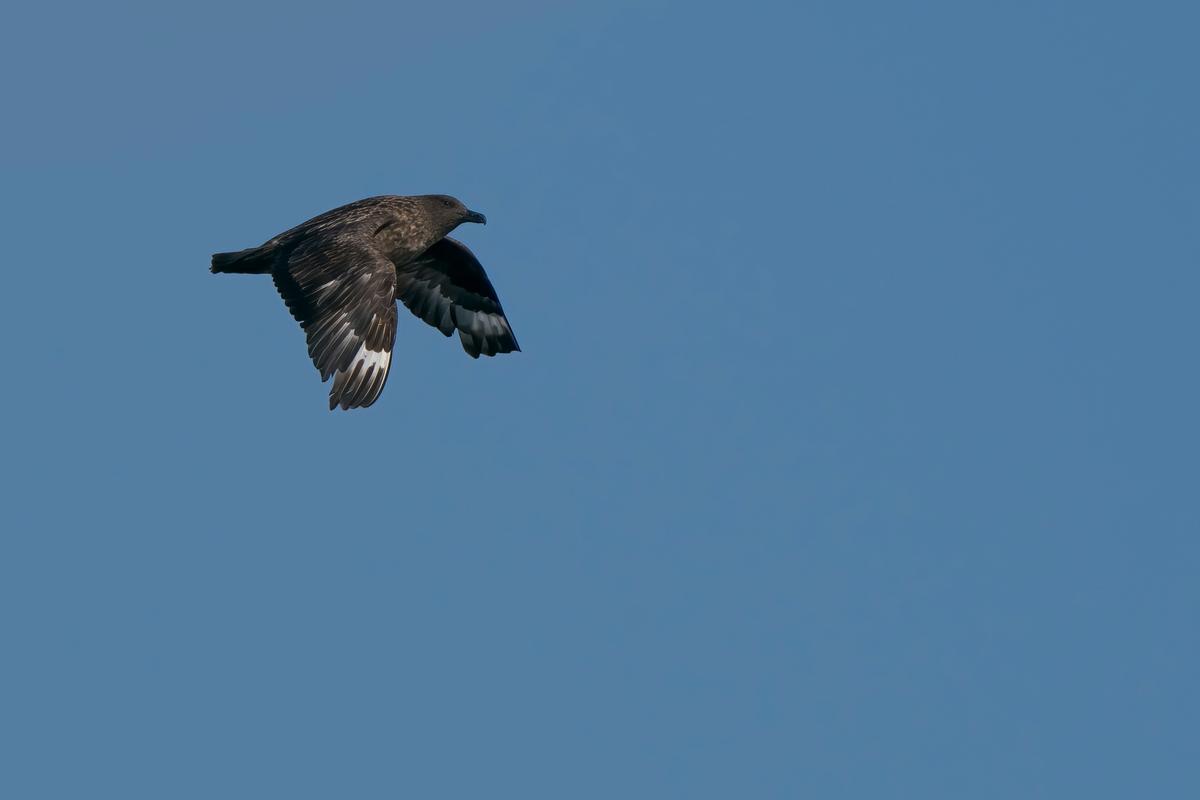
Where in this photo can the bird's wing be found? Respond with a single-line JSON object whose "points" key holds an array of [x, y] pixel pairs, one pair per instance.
{"points": [[342, 292], [447, 287]]}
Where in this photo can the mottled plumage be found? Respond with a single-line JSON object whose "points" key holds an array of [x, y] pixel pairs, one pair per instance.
{"points": [[342, 272]]}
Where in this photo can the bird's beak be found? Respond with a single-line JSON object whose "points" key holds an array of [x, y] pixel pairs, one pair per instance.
{"points": [[475, 216]]}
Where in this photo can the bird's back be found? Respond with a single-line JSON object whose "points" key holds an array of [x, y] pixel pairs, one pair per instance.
{"points": [[390, 224]]}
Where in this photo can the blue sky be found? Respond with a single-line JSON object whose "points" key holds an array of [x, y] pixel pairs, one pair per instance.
{"points": [[851, 454]]}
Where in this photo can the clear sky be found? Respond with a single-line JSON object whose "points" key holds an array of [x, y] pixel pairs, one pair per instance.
{"points": [[852, 452]]}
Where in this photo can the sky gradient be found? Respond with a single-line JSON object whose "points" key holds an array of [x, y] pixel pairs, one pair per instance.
{"points": [[852, 452]]}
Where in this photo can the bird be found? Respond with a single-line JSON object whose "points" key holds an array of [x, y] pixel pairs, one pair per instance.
{"points": [[341, 273]]}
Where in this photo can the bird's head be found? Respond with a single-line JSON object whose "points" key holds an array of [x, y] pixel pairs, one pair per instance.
{"points": [[446, 213]]}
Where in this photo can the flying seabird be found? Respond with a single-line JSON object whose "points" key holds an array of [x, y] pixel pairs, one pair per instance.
{"points": [[342, 272]]}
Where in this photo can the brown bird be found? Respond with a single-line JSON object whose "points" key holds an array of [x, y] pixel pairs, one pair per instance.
{"points": [[342, 272]]}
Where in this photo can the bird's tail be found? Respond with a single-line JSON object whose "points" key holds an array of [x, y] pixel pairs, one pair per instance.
{"points": [[244, 262]]}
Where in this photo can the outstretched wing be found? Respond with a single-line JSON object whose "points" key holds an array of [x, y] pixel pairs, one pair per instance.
{"points": [[447, 287], [342, 292]]}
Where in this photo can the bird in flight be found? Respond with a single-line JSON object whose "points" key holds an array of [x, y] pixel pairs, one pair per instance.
{"points": [[342, 272]]}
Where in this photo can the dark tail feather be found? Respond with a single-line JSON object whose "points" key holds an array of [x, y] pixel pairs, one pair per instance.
{"points": [[244, 262]]}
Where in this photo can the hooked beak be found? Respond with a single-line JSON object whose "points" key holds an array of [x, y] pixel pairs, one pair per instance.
{"points": [[475, 216]]}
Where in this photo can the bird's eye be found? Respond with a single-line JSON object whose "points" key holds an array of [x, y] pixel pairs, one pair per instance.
{"points": [[448, 203]]}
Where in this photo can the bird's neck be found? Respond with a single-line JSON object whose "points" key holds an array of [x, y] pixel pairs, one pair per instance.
{"points": [[403, 240]]}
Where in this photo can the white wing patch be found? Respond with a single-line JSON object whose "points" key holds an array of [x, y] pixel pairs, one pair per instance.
{"points": [[483, 333], [361, 382]]}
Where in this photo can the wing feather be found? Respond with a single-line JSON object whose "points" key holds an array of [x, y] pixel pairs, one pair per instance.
{"points": [[448, 288], [342, 292]]}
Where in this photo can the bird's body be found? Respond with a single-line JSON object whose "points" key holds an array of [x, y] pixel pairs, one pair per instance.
{"points": [[341, 273]]}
